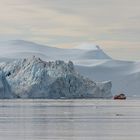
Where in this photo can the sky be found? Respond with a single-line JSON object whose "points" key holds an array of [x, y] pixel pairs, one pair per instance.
{"points": [[112, 24]]}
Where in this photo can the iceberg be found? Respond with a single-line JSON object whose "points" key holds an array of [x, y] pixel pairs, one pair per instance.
{"points": [[5, 91], [35, 78]]}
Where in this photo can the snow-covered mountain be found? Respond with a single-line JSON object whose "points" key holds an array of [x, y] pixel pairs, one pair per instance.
{"points": [[125, 75], [35, 78], [89, 60], [23, 49]]}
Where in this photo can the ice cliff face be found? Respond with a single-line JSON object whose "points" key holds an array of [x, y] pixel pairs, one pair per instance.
{"points": [[5, 91], [35, 78]]}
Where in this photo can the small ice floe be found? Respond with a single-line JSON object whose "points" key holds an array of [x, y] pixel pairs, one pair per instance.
{"points": [[119, 114]]}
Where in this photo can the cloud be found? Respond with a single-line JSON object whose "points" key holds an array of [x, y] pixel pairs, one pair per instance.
{"points": [[69, 22]]}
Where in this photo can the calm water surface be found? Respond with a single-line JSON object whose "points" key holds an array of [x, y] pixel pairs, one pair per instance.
{"points": [[69, 120]]}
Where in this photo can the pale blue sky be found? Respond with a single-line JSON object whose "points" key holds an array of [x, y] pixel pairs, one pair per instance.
{"points": [[112, 24]]}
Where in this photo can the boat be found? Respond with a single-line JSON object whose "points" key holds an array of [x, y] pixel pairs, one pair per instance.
{"points": [[120, 97]]}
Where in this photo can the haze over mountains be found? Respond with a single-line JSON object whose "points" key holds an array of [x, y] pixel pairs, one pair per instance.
{"points": [[90, 60]]}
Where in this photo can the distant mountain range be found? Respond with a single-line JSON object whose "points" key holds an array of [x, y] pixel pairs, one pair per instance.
{"points": [[90, 60]]}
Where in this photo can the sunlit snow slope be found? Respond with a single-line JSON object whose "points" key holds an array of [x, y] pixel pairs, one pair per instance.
{"points": [[22, 49]]}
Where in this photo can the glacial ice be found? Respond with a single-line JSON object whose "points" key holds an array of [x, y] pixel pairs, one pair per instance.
{"points": [[35, 78], [5, 91]]}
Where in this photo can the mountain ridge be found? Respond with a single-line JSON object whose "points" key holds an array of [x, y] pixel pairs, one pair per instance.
{"points": [[18, 46]]}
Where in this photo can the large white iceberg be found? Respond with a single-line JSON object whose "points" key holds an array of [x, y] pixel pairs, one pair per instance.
{"points": [[35, 78]]}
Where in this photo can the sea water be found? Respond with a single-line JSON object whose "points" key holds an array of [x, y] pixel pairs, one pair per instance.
{"points": [[69, 119]]}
